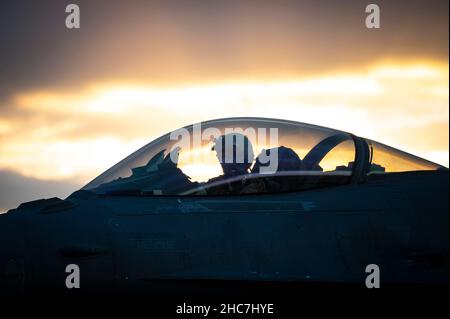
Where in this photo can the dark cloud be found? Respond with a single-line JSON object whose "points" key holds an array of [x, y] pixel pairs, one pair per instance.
{"points": [[16, 189], [185, 41]]}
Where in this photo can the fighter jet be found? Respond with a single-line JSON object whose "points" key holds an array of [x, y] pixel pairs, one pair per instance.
{"points": [[237, 200]]}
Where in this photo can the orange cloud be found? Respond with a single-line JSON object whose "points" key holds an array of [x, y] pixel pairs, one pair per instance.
{"points": [[79, 133]]}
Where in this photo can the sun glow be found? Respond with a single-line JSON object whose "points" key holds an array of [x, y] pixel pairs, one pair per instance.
{"points": [[78, 134]]}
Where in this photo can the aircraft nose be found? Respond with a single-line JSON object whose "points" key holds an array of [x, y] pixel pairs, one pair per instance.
{"points": [[12, 265]]}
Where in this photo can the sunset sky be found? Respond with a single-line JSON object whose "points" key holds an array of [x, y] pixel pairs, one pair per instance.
{"points": [[74, 102]]}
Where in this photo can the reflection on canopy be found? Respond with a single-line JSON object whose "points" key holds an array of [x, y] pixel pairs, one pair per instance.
{"points": [[386, 159]]}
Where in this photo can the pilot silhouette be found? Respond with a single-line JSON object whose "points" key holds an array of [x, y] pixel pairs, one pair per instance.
{"points": [[234, 152]]}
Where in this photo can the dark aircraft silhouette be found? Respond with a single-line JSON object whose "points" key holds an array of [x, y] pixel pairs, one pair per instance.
{"points": [[309, 205]]}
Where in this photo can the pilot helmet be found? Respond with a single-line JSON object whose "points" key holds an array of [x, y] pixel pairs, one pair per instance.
{"points": [[234, 152]]}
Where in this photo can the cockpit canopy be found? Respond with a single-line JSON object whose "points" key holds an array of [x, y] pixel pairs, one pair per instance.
{"points": [[279, 156]]}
